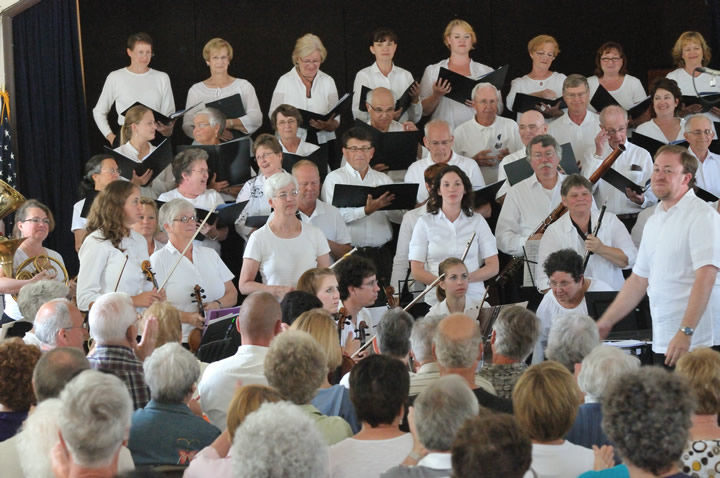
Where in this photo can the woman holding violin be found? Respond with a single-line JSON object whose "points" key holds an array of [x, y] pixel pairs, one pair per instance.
{"points": [[201, 277], [33, 221], [112, 253]]}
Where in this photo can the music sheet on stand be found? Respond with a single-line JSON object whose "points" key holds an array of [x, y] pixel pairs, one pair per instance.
{"points": [[532, 248]]}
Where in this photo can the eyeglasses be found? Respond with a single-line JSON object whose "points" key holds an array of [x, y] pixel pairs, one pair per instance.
{"points": [[310, 62], [111, 171], [200, 125], [285, 195], [700, 132], [146, 53], [388, 111], [562, 284], [372, 283], [265, 155], [547, 55], [446, 142], [291, 121], [610, 59], [37, 220], [186, 219], [355, 149], [83, 326], [548, 154], [202, 172], [613, 132]]}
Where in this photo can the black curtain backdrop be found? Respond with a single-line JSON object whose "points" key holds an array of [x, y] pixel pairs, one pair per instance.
{"points": [[52, 131]]}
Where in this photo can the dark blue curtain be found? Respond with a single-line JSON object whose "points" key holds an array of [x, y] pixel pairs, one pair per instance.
{"points": [[51, 124]]}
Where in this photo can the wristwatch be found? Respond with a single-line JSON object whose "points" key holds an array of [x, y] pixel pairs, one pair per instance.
{"points": [[687, 331]]}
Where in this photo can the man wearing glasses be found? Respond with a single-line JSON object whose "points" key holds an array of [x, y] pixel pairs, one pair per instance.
{"points": [[487, 138], [699, 133], [635, 164], [577, 126], [439, 141]]}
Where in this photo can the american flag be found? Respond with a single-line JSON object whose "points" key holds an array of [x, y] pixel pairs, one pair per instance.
{"points": [[7, 158]]}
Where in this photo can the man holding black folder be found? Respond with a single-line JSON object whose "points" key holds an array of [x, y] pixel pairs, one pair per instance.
{"points": [[677, 263], [530, 124], [369, 226], [634, 164], [699, 134]]}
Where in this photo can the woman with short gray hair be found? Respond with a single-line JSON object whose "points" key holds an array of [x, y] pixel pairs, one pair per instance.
{"points": [[166, 432], [285, 247]]}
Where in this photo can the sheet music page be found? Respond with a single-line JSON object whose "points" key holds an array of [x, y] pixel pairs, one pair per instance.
{"points": [[532, 248]]}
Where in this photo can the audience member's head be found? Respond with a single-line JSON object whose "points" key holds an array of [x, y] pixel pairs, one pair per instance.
{"points": [[168, 320], [601, 367], [55, 369], [171, 373], [295, 366], [440, 411], [277, 441], [321, 326], [37, 438], [646, 414], [514, 333], [34, 294], [94, 418], [246, 400], [421, 339], [379, 386], [113, 320], [393, 333], [17, 361], [259, 320], [702, 369], [458, 342], [59, 323], [295, 303], [491, 446], [546, 400], [572, 337]]}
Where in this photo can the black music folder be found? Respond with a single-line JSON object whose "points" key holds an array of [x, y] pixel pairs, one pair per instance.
{"points": [[230, 212], [231, 106], [89, 199], [487, 194], [334, 111], [229, 160], [402, 103], [651, 145], [705, 195], [602, 98], [619, 181], [397, 149], [525, 103], [347, 195], [640, 108], [462, 86], [161, 118], [521, 169], [158, 160], [706, 100], [319, 157]]}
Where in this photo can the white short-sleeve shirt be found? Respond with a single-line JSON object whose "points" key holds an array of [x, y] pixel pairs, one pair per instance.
{"points": [[471, 137], [630, 93]]}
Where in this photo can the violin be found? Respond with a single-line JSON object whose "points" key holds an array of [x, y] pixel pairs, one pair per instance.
{"points": [[149, 274], [195, 336], [346, 363]]}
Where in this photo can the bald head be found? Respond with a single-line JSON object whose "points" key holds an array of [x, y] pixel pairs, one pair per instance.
{"points": [[259, 319], [381, 107], [612, 111], [531, 124], [56, 368], [458, 342]]}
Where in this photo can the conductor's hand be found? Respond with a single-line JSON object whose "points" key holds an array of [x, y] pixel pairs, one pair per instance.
{"points": [[372, 205]]}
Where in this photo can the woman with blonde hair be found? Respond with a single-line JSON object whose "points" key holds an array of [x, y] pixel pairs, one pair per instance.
{"points": [[322, 283], [690, 52], [148, 226], [218, 54], [459, 37], [306, 87], [331, 400], [112, 253], [540, 82]]}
